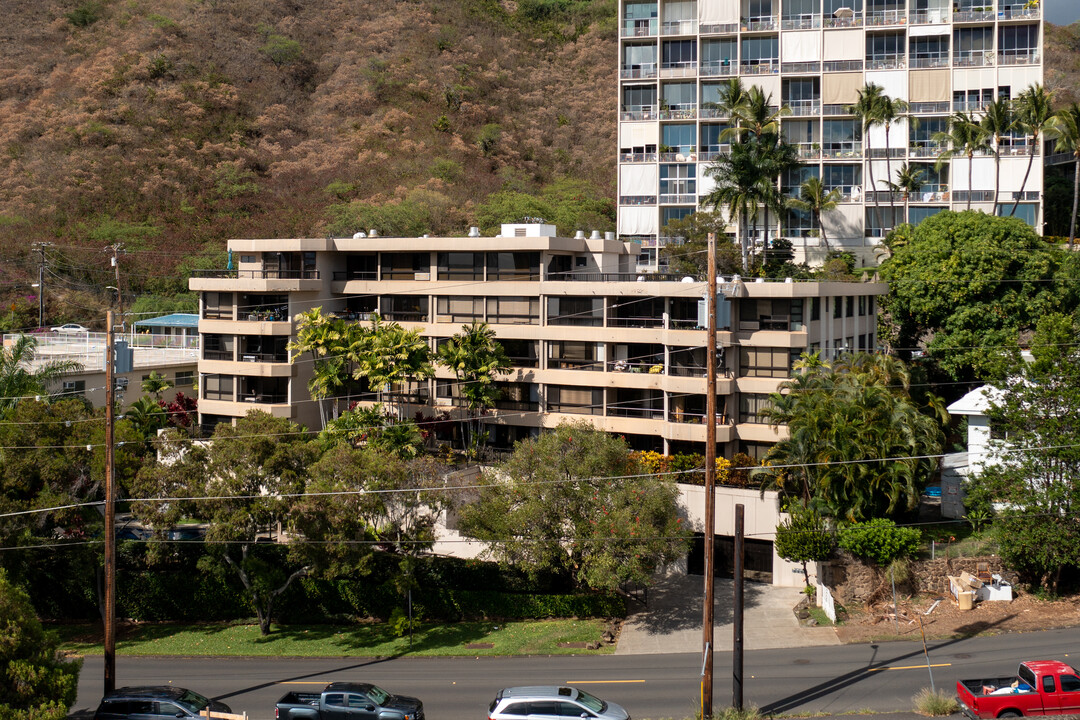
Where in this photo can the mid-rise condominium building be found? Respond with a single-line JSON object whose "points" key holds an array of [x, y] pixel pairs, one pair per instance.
{"points": [[588, 336], [941, 56]]}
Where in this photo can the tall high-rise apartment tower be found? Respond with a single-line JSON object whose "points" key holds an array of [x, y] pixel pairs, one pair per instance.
{"points": [[813, 56]]}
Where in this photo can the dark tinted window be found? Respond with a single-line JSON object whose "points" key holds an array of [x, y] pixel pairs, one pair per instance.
{"points": [[335, 699], [543, 708], [169, 710], [358, 701], [516, 709], [1069, 683], [568, 709], [1048, 683]]}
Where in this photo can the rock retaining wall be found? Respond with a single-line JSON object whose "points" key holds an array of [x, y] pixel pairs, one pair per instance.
{"points": [[854, 581]]}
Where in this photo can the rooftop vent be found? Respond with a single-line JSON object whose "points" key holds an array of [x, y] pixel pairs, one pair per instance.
{"points": [[474, 231], [595, 235], [361, 234], [609, 235], [579, 235], [372, 233]]}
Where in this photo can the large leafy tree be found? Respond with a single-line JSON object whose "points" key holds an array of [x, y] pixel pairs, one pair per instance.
{"points": [[476, 358], [36, 683], [391, 355], [242, 485], [859, 445], [803, 537], [574, 502], [690, 255], [966, 283], [1033, 475]]}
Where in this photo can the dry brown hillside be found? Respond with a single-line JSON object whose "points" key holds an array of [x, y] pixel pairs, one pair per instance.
{"points": [[1063, 62], [175, 124]]}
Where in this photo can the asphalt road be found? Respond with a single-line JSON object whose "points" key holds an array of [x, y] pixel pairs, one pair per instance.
{"points": [[832, 680]]}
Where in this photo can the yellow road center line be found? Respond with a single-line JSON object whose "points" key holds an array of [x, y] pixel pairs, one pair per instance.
{"points": [[908, 667], [600, 682]]}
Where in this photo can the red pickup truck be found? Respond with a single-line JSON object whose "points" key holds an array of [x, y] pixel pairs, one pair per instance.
{"points": [[1040, 687]]}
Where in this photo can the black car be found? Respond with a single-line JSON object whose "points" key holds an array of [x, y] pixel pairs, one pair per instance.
{"points": [[155, 703]]}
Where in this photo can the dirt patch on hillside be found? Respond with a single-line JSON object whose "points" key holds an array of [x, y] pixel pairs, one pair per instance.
{"points": [[1025, 613]]}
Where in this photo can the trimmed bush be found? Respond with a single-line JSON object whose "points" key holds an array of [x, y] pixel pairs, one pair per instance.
{"points": [[880, 541]]}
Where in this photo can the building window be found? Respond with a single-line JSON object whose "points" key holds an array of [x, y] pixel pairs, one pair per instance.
{"points": [[217, 387], [459, 309], [404, 308], [218, 347], [578, 400], [513, 310], [579, 311], [766, 362], [73, 388], [184, 378], [461, 266], [752, 407], [570, 355], [760, 50], [405, 266], [815, 309], [218, 305], [522, 353], [758, 451], [513, 266]]}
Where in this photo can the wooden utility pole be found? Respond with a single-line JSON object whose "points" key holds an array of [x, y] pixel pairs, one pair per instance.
{"points": [[117, 249], [110, 509], [737, 619], [710, 486]]}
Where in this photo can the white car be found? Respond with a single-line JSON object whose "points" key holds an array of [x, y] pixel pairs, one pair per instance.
{"points": [[70, 328]]}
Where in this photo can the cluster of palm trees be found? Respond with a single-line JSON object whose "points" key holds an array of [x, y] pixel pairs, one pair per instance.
{"points": [[746, 177]]}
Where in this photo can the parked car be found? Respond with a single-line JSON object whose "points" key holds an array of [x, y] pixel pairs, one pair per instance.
{"points": [[70, 328], [149, 702], [546, 702], [1040, 687], [348, 699]]}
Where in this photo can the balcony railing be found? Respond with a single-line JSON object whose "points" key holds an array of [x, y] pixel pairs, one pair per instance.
{"points": [[685, 68], [639, 112], [593, 277], [1018, 146], [930, 107], [835, 150], [678, 156], [800, 22], [218, 354], [711, 152], [887, 62], [975, 59], [880, 153], [886, 17], [844, 21], [935, 61], [644, 321], [926, 149], [973, 15], [968, 105], [258, 274], [678, 199], [266, 314], [264, 398], [683, 111], [635, 411], [640, 27], [1019, 11], [637, 199], [638, 72], [842, 65], [719, 28], [836, 109], [759, 67], [848, 193], [637, 157], [217, 313], [804, 107], [759, 23], [1018, 57], [796, 68], [713, 112], [345, 275], [679, 27], [809, 151], [930, 17], [264, 357], [718, 68]]}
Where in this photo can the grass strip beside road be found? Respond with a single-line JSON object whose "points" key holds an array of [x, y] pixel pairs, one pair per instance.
{"points": [[539, 637]]}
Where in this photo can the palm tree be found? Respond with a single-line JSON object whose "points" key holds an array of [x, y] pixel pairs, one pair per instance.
{"points": [[889, 111], [816, 200], [1033, 110], [868, 111], [999, 121], [908, 182], [155, 384], [736, 177], [1065, 128], [325, 338], [476, 358], [732, 95], [965, 136], [21, 378]]}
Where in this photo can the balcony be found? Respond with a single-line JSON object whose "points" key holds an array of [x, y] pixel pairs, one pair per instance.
{"points": [[759, 67], [1019, 57], [687, 68], [678, 156], [974, 15], [711, 111], [877, 18], [637, 199], [800, 68], [263, 314], [678, 198], [679, 27], [346, 275], [642, 71], [844, 20], [719, 28], [712, 152], [641, 27], [1019, 11], [930, 17], [761, 23], [718, 68], [639, 112], [684, 111], [637, 157], [968, 105], [842, 66], [934, 61], [257, 274], [926, 149], [800, 22], [263, 357], [834, 150], [886, 62], [930, 107], [804, 107], [883, 153], [809, 151], [980, 58], [848, 193]]}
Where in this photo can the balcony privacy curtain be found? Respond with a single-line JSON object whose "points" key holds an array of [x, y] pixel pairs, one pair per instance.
{"points": [[638, 134], [800, 47], [929, 86], [718, 11], [637, 220], [845, 44], [840, 88], [925, 30], [682, 10], [638, 179], [893, 82]]}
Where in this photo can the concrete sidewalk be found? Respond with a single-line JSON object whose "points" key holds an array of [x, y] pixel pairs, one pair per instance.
{"points": [[671, 623]]}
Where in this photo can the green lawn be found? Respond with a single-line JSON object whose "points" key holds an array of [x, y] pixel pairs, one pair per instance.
{"points": [[513, 638]]}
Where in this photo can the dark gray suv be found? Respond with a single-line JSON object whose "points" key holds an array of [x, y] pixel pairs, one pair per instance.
{"points": [[155, 703], [549, 702]]}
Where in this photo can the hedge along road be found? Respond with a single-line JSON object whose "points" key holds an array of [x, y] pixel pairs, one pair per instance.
{"points": [[833, 680]]}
